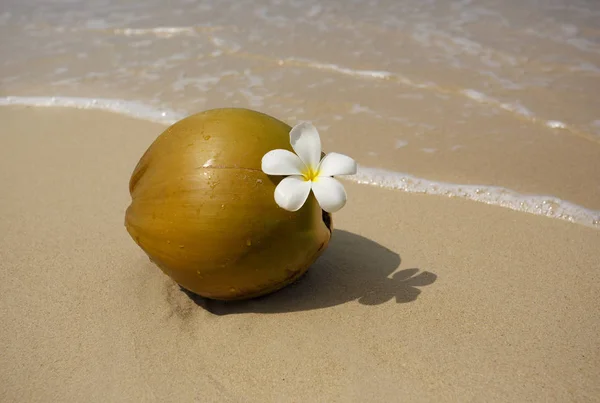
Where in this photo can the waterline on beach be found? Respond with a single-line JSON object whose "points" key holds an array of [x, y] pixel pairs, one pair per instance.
{"points": [[541, 205]]}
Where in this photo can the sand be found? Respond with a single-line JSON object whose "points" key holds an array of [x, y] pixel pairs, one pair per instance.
{"points": [[418, 298]]}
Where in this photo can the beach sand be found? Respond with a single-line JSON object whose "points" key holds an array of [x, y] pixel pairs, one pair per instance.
{"points": [[418, 297]]}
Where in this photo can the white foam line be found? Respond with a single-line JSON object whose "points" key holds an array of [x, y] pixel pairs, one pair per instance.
{"points": [[160, 32], [368, 74], [512, 107], [129, 108], [380, 74], [547, 206], [166, 32]]}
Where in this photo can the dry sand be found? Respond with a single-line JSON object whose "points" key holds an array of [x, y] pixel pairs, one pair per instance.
{"points": [[418, 298]]}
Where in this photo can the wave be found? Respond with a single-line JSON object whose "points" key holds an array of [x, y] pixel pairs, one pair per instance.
{"points": [[514, 108], [546, 206], [236, 49]]}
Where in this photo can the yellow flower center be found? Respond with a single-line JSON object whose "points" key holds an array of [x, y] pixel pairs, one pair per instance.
{"points": [[310, 174]]}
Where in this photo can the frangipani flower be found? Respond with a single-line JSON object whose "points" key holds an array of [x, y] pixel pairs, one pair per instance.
{"points": [[308, 172]]}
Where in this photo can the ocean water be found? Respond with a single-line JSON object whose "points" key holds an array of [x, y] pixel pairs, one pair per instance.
{"points": [[496, 102]]}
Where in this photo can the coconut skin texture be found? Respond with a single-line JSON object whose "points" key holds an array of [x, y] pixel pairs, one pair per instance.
{"points": [[204, 211]]}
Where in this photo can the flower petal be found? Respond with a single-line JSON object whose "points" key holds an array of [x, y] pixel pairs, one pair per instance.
{"points": [[282, 162], [305, 140], [292, 192], [337, 164], [330, 193]]}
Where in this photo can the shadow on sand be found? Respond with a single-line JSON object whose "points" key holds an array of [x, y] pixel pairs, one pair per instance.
{"points": [[352, 268]]}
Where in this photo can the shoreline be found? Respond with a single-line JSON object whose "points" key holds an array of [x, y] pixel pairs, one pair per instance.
{"points": [[540, 205]]}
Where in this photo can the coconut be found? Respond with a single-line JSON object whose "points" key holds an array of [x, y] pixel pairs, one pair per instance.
{"points": [[204, 211]]}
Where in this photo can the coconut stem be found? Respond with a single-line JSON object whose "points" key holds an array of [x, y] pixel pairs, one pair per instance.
{"points": [[327, 219]]}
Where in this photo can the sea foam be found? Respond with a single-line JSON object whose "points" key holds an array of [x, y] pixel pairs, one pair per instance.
{"points": [[547, 206], [130, 108]]}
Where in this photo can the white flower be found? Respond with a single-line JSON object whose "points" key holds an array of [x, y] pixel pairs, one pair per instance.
{"points": [[308, 172]]}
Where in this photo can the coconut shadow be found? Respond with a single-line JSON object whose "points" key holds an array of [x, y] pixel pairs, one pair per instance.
{"points": [[352, 268]]}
